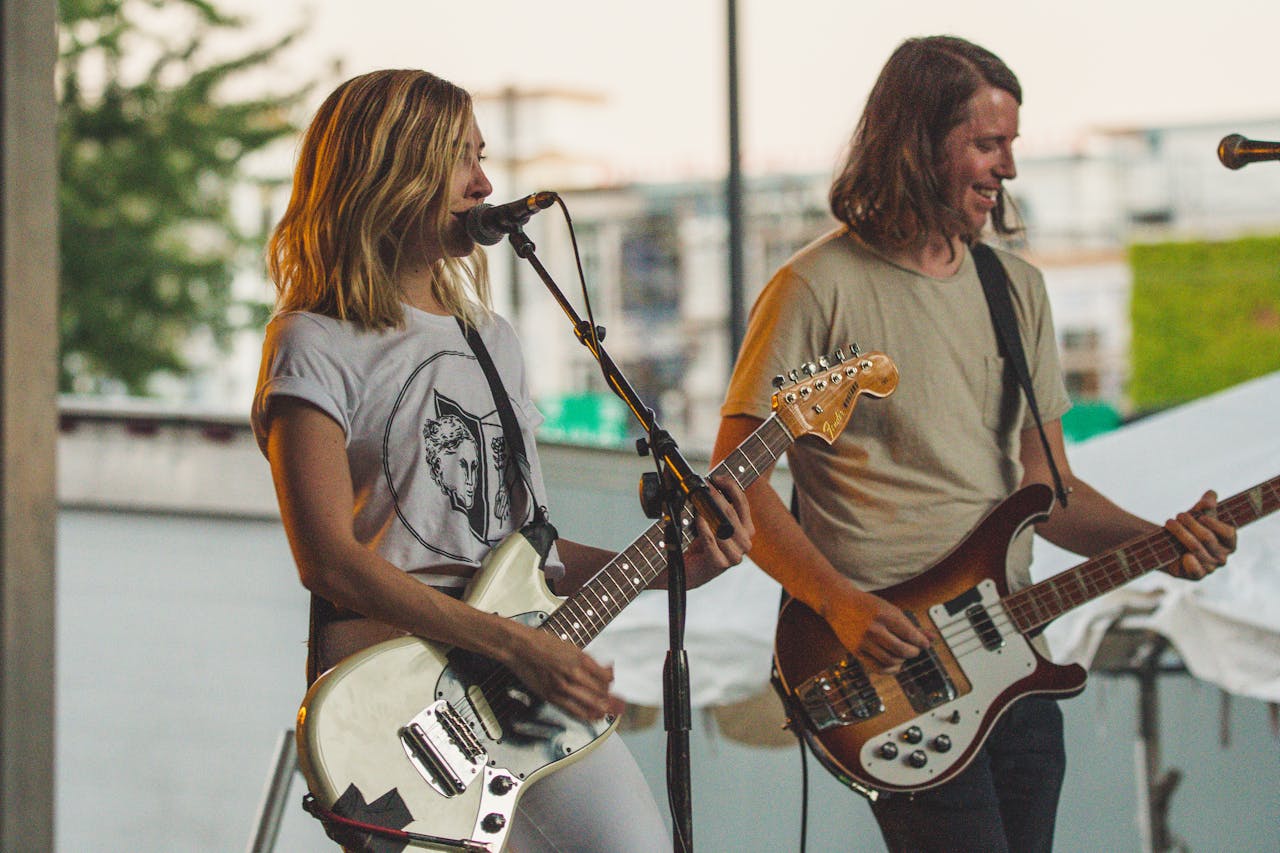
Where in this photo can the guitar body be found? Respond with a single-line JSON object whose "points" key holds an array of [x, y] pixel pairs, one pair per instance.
{"points": [[922, 726], [356, 745]]}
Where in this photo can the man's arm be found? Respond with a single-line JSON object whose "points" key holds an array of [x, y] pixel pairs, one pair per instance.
{"points": [[863, 622], [1092, 524]]}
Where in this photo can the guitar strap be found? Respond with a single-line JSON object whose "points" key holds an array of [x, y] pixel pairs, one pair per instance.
{"points": [[995, 285], [516, 464]]}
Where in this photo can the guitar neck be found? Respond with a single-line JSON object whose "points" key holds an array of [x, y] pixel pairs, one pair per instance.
{"points": [[1043, 602], [585, 614]]}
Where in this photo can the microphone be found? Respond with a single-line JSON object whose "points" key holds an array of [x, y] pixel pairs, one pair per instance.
{"points": [[487, 223], [1235, 151]]}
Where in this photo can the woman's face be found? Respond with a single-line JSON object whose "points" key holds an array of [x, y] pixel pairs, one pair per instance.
{"points": [[468, 187]]}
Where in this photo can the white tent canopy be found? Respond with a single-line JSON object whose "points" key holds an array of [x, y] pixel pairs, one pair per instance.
{"points": [[1226, 628]]}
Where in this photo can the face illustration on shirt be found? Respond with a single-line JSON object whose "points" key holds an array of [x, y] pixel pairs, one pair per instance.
{"points": [[454, 458]]}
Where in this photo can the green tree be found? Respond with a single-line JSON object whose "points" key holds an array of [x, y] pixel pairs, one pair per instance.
{"points": [[151, 144]]}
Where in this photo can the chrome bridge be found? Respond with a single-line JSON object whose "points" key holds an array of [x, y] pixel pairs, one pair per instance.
{"points": [[442, 747], [839, 695]]}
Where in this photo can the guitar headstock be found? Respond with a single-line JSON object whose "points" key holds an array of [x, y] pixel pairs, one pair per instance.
{"points": [[817, 399]]}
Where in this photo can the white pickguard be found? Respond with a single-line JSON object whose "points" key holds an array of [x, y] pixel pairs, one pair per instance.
{"points": [[349, 725], [990, 672]]}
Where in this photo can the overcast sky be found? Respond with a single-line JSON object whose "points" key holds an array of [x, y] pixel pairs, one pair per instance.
{"points": [[806, 65]]}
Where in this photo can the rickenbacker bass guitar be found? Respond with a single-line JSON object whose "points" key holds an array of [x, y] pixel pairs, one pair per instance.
{"points": [[434, 744], [921, 726]]}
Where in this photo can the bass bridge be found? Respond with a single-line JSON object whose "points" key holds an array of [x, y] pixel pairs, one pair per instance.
{"points": [[839, 695]]}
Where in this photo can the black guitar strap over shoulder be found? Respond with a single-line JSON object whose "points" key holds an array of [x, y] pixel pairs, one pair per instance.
{"points": [[517, 461], [995, 284]]}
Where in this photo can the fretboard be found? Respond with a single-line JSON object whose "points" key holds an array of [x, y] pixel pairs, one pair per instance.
{"points": [[585, 614], [1043, 602]]}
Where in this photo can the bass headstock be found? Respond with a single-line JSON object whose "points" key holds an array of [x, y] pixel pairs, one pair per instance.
{"points": [[816, 399]]}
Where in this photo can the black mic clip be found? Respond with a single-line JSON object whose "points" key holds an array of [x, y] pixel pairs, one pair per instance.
{"points": [[487, 224]]}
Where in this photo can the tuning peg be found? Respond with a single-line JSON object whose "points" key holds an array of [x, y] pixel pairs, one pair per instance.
{"points": [[779, 381], [810, 368], [823, 362], [838, 355], [855, 349], [793, 375]]}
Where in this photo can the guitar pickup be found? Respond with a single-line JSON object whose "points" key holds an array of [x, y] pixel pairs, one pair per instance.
{"points": [[925, 682], [839, 695], [986, 629], [442, 747]]}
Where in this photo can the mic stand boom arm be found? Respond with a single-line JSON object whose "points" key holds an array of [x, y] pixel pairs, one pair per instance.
{"points": [[664, 448], [677, 712]]}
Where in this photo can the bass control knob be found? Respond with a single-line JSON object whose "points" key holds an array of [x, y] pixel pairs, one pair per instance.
{"points": [[917, 759], [913, 734], [889, 751], [493, 822], [941, 743], [501, 785]]}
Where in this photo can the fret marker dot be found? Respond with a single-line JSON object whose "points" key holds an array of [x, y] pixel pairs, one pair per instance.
{"points": [[741, 469]]}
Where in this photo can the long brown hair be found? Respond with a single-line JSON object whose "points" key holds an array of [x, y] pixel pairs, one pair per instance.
{"points": [[889, 190], [373, 166]]}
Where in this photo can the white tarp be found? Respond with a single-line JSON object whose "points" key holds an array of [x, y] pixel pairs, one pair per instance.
{"points": [[1226, 628]]}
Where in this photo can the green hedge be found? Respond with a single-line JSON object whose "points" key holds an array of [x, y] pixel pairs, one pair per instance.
{"points": [[1206, 316]]}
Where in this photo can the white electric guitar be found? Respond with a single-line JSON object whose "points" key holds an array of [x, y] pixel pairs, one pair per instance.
{"points": [[433, 745]]}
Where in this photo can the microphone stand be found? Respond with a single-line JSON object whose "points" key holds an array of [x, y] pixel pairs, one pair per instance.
{"points": [[676, 484]]}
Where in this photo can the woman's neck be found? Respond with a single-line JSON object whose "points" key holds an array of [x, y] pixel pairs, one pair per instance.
{"points": [[415, 282]]}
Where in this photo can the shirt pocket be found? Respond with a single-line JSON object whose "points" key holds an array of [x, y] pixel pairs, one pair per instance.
{"points": [[1000, 399]]}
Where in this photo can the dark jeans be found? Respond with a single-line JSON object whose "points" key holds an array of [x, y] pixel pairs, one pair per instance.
{"points": [[1004, 802]]}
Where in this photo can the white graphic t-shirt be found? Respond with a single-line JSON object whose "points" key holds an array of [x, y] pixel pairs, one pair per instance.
{"points": [[425, 444]]}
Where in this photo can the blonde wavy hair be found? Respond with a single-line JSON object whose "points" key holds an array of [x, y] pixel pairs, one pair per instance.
{"points": [[374, 167]]}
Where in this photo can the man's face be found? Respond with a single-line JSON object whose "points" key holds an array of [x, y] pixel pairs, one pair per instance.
{"points": [[978, 155]]}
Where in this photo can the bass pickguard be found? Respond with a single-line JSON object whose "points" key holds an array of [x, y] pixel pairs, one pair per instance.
{"points": [[992, 657]]}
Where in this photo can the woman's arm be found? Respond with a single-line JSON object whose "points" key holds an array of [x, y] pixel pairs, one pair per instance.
{"points": [[307, 453]]}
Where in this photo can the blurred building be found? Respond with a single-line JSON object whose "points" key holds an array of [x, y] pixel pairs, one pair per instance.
{"points": [[655, 262]]}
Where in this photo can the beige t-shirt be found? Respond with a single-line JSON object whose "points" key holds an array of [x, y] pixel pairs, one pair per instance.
{"points": [[913, 473]]}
